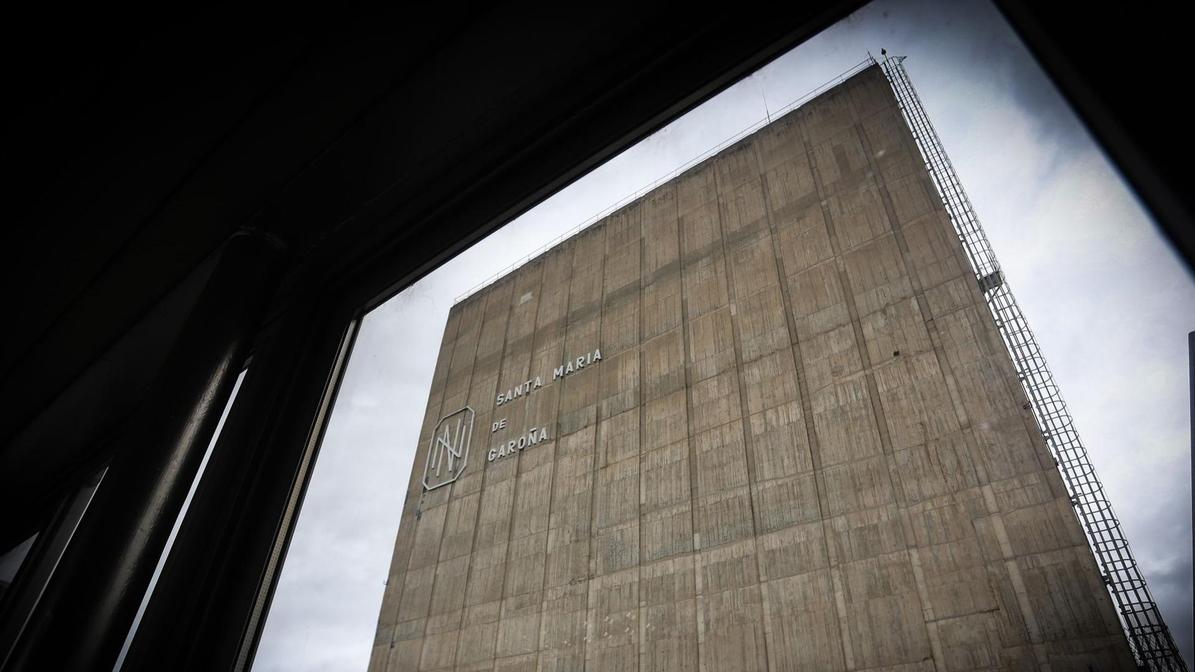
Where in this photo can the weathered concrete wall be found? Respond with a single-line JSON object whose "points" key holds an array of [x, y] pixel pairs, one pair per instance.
{"points": [[804, 446]]}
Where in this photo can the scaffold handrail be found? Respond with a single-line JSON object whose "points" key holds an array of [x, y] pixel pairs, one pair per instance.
{"points": [[1149, 638]]}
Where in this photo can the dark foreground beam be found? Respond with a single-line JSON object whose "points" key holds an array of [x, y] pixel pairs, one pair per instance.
{"points": [[82, 619]]}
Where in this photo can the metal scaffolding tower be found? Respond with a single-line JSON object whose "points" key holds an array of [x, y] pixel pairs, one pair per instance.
{"points": [[1147, 633]]}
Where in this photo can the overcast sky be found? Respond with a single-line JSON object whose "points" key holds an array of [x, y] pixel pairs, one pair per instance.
{"points": [[1109, 301]]}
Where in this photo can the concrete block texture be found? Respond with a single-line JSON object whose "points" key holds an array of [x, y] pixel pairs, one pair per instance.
{"points": [[759, 419]]}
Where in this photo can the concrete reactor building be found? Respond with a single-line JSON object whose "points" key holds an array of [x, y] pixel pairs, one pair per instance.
{"points": [[765, 417]]}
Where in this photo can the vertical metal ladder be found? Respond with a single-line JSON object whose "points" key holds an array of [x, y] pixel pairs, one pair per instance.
{"points": [[1147, 633]]}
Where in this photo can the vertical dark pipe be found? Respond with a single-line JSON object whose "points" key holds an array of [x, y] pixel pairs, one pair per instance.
{"points": [[205, 598], [86, 611]]}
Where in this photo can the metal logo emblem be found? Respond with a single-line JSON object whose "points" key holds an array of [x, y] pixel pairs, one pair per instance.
{"points": [[449, 451]]}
